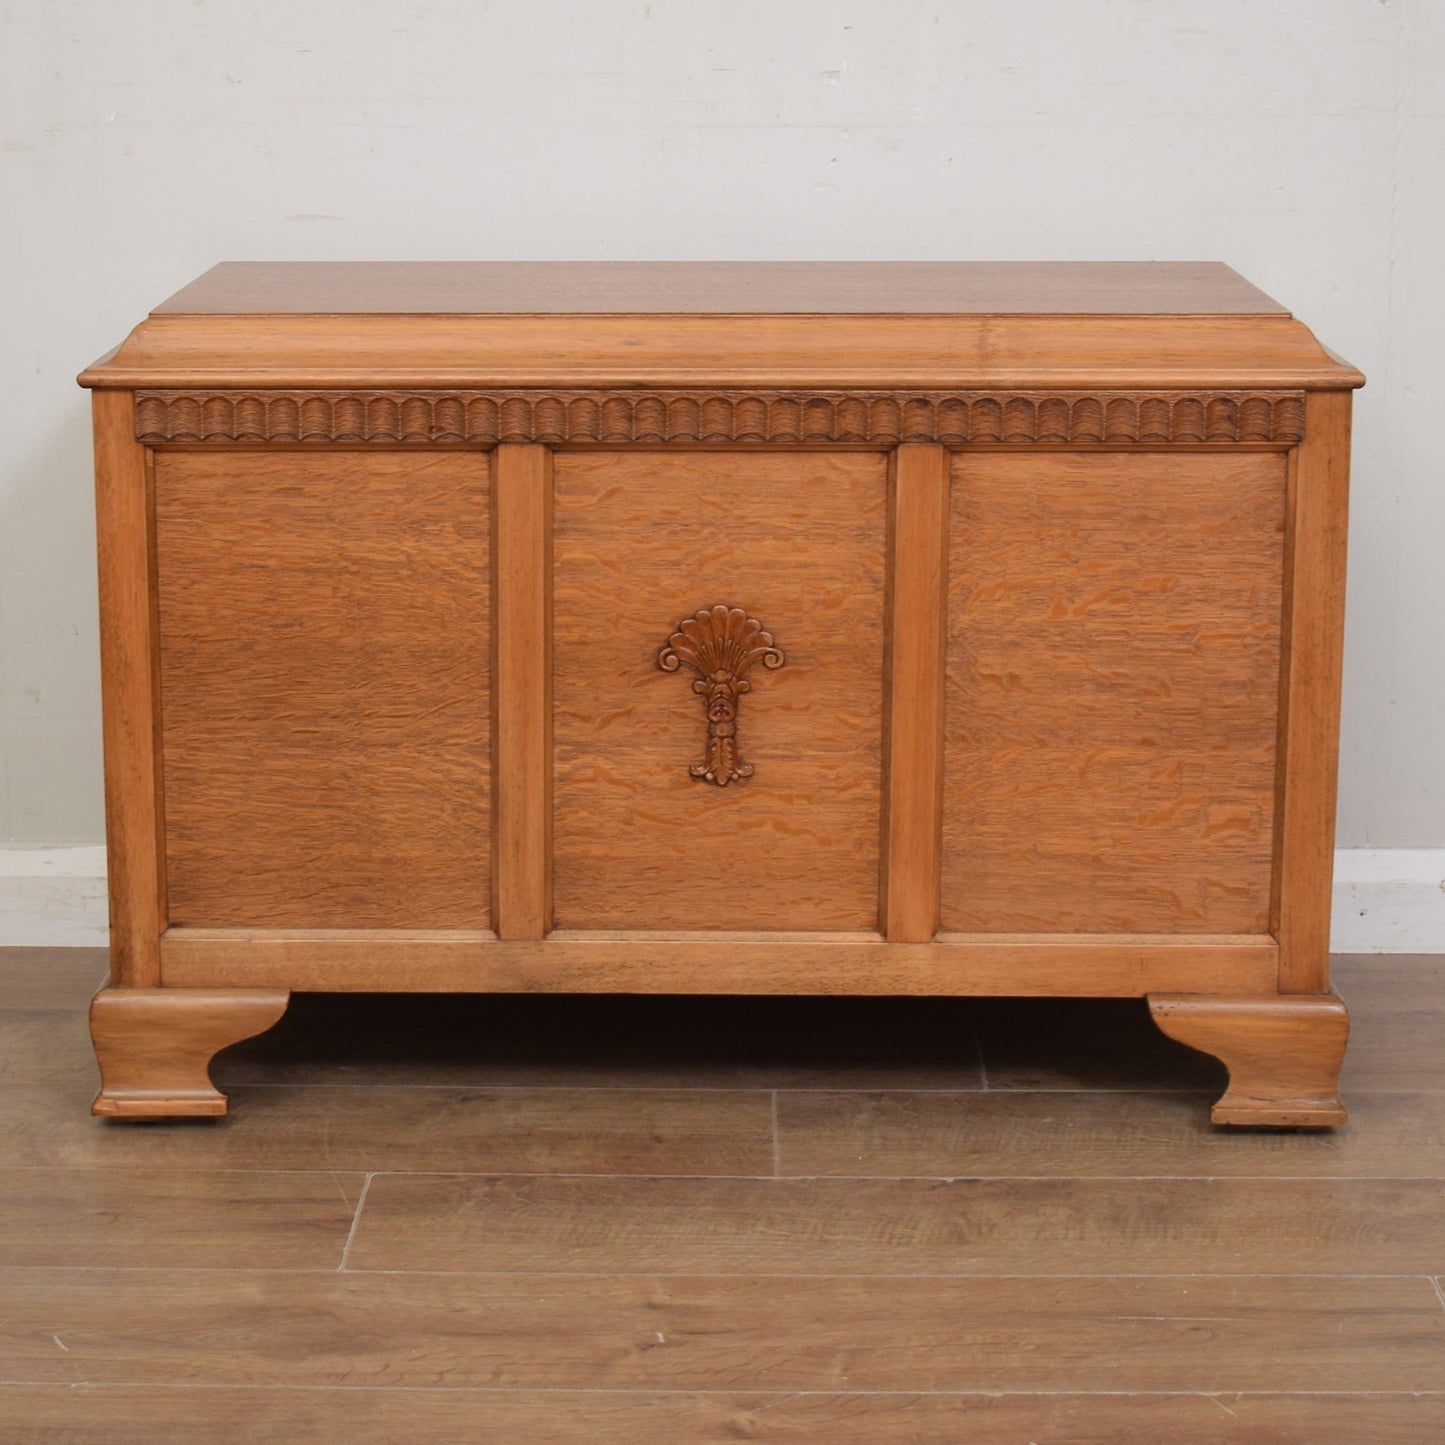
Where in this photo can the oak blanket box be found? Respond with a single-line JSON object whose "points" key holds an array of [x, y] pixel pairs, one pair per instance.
{"points": [[929, 629]]}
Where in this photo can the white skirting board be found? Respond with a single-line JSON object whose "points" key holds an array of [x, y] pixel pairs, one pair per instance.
{"points": [[53, 896], [1387, 900]]}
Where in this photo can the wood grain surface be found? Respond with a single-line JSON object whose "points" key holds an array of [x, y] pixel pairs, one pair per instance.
{"points": [[913, 747], [325, 673], [900, 1226], [1397, 1039], [1283, 1054], [159, 1415], [739, 287], [1127, 1133], [1113, 676], [692, 1127], [38, 977], [1138, 549], [134, 806], [154, 1046], [535, 1130], [1061, 1249], [178, 1218], [643, 960], [825, 351], [805, 417], [642, 542], [522, 846], [700, 1332], [1310, 694]]}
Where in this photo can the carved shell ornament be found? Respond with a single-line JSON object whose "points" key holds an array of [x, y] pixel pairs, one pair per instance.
{"points": [[720, 644]]}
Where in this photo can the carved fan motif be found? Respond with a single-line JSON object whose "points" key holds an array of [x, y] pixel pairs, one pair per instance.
{"points": [[720, 644]]}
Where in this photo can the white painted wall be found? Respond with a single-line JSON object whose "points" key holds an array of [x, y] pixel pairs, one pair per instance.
{"points": [[1299, 140]]}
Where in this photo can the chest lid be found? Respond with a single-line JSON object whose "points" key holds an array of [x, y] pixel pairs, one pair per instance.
{"points": [[616, 324]]}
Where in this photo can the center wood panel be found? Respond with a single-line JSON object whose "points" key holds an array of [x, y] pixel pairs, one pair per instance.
{"points": [[1112, 693], [324, 627], [643, 541]]}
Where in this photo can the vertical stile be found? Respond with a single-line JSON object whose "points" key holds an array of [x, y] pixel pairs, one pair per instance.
{"points": [[1309, 723], [129, 691], [913, 749], [522, 852]]}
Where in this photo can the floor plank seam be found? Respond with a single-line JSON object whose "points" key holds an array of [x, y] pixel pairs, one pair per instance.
{"points": [[335, 1176], [729, 1393], [1240, 1277], [227, 1269], [994, 1090], [777, 1145], [171, 1170], [355, 1220], [1163, 1090], [900, 1178], [697, 1274]]}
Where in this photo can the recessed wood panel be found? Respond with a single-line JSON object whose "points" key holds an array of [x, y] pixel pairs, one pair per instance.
{"points": [[644, 541], [1112, 695], [324, 626]]}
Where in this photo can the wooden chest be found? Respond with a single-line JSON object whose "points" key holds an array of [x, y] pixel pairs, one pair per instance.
{"points": [[871, 629]]}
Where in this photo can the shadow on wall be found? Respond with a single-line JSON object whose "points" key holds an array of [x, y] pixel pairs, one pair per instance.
{"points": [[50, 749]]}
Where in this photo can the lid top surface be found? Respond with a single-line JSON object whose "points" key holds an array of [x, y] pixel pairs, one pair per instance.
{"points": [[734, 288]]}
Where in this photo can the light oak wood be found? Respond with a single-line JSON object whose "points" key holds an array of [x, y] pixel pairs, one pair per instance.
{"points": [[686, 288], [155, 1045], [1283, 1054], [1111, 352], [1113, 663], [897, 324], [325, 639], [1310, 694], [135, 827], [796, 542], [1204, 419], [917, 629], [651, 961], [923, 629], [523, 847], [1397, 1042]]}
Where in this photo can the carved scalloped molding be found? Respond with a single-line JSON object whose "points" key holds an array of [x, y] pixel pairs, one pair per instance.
{"points": [[881, 419]]}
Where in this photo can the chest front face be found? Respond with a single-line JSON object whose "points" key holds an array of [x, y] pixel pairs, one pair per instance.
{"points": [[911, 652], [932, 629], [1109, 734]]}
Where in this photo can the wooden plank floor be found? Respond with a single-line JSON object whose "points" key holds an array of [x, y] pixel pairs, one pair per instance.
{"points": [[657, 1220]]}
